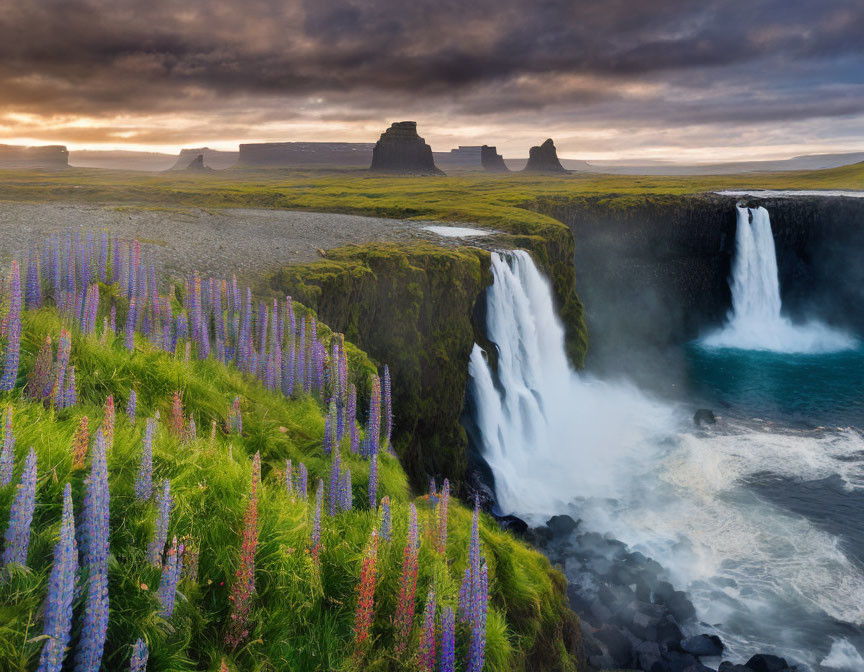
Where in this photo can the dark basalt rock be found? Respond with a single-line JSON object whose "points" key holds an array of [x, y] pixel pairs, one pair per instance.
{"points": [[703, 645], [544, 159], [561, 526], [762, 662], [492, 161], [704, 416], [400, 150], [726, 666]]}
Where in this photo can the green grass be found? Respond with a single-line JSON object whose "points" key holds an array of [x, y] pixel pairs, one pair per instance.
{"points": [[302, 616]]}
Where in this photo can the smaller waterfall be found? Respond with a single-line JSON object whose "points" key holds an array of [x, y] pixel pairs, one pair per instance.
{"points": [[756, 322], [548, 434]]}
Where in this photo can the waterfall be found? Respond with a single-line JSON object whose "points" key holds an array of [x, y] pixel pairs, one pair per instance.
{"points": [[756, 322], [548, 434]]}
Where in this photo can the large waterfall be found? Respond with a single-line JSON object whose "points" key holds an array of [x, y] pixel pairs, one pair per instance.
{"points": [[560, 441], [548, 434], [756, 322]]}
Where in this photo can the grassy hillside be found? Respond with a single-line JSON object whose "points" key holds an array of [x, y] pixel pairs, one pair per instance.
{"points": [[302, 611]]}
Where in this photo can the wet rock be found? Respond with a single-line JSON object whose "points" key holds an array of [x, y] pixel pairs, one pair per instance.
{"points": [[681, 607], [562, 526], [646, 621], [401, 150], [767, 663], [704, 416], [492, 160], [515, 525], [646, 654], [544, 159], [669, 634], [726, 666], [703, 645], [674, 661], [618, 646]]}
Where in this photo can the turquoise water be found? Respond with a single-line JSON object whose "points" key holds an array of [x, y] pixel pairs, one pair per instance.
{"points": [[799, 389]]}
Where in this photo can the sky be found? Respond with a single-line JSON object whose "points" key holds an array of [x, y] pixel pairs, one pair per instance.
{"points": [[685, 80]]}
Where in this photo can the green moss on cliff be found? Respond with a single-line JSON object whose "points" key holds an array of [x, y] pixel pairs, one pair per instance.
{"points": [[409, 307]]}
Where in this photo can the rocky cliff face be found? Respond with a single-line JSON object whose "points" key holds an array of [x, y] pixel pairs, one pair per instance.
{"points": [[48, 156], [653, 270], [544, 159], [213, 158], [402, 150], [197, 165], [492, 160], [292, 154]]}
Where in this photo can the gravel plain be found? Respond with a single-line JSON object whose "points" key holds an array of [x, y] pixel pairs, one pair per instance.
{"points": [[219, 242]]}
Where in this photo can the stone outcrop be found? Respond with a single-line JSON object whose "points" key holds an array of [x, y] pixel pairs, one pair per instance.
{"points": [[214, 158], [197, 165], [492, 161], [544, 159], [296, 154], [400, 150], [46, 156], [467, 157]]}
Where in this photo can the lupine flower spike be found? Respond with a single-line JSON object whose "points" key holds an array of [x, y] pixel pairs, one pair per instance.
{"points": [[427, 635], [7, 453], [108, 422], [244, 585], [18, 533], [404, 617], [94, 536], [140, 654], [144, 481], [160, 535], [168, 584], [386, 519], [131, 404], [61, 591], [448, 641], [366, 593]]}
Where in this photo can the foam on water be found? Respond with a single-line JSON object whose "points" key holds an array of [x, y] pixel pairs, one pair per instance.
{"points": [[843, 656], [780, 193], [457, 231]]}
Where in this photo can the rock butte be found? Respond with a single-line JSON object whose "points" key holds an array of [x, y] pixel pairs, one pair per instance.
{"points": [[401, 150], [544, 159]]}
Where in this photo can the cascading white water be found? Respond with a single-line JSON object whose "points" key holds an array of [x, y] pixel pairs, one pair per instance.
{"points": [[558, 441], [756, 322], [549, 434]]}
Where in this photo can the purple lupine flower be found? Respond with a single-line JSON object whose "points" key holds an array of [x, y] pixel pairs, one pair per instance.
{"points": [[346, 497], [433, 487], [168, 584], [34, 283], [131, 404], [315, 541], [70, 395], [113, 318], [18, 533], [302, 477], [387, 406], [448, 641], [300, 357], [335, 480], [373, 480], [144, 481], [477, 644], [94, 546], [373, 427], [427, 635], [61, 592], [160, 535], [140, 654], [386, 519], [289, 478], [13, 330], [131, 319], [7, 453]]}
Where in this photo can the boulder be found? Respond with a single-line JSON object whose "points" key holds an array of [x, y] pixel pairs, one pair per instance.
{"points": [[726, 666], [400, 150], [763, 662], [681, 607], [561, 526], [703, 645], [492, 161], [674, 661], [544, 159], [704, 416], [618, 646], [646, 654], [512, 523]]}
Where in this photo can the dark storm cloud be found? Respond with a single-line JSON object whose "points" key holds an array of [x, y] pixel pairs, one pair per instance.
{"points": [[682, 61]]}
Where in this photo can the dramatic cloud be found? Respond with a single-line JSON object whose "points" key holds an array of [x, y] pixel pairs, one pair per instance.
{"points": [[604, 76]]}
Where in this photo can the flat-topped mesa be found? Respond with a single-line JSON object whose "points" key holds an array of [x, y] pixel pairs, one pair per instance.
{"points": [[544, 159], [401, 150], [46, 156], [308, 154], [492, 161]]}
